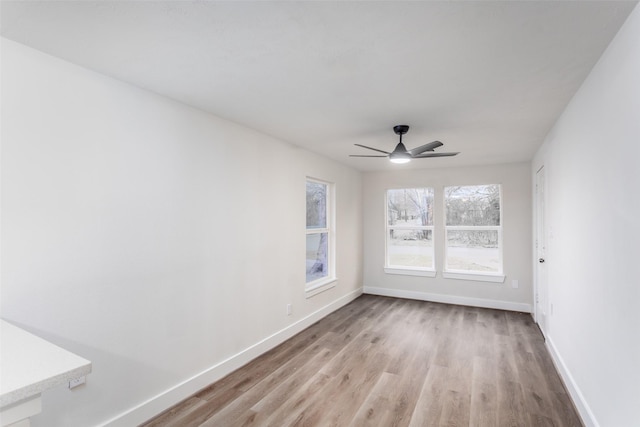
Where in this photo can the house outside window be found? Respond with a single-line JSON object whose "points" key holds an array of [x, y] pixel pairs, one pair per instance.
{"points": [[409, 232], [473, 230], [320, 268]]}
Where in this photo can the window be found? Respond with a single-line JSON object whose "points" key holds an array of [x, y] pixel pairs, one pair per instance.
{"points": [[409, 241], [319, 253], [473, 231]]}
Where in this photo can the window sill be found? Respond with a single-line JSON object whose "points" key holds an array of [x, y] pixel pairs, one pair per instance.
{"points": [[410, 271], [476, 276], [314, 288]]}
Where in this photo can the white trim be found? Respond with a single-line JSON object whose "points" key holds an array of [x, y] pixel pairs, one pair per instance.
{"points": [[410, 271], [478, 277], [155, 405], [450, 299], [586, 415], [320, 287]]}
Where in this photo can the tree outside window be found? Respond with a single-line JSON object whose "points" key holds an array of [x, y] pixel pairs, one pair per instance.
{"points": [[409, 242], [318, 231], [473, 229]]}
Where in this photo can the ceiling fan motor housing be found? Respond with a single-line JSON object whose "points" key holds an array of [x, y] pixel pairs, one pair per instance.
{"points": [[401, 129]]}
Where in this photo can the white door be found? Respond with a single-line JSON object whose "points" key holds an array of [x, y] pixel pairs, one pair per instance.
{"points": [[541, 290]]}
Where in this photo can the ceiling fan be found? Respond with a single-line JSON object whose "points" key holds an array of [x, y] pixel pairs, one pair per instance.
{"points": [[401, 155]]}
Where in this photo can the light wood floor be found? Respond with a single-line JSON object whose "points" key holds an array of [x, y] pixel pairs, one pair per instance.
{"points": [[392, 362]]}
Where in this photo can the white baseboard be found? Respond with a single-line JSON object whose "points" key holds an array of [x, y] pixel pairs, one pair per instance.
{"points": [[450, 299], [179, 392], [580, 403]]}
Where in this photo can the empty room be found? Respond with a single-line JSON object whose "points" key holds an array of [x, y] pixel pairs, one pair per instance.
{"points": [[319, 213]]}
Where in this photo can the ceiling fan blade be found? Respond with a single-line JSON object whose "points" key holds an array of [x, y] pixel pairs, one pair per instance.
{"points": [[371, 148], [426, 147], [359, 155], [426, 155]]}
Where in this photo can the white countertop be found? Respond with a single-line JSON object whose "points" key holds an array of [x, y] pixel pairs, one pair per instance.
{"points": [[30, 365]]}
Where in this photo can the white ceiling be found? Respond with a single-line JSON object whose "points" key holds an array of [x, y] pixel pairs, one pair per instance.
{"points": [[489, 79]]}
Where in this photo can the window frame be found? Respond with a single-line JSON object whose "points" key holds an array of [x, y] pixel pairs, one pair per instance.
{"points": [[324, 283], [408, 270], [477, 275]]}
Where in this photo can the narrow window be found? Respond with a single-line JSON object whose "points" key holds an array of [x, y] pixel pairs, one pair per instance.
{"points": [[409, 241], [319, 256], [473, 229]]}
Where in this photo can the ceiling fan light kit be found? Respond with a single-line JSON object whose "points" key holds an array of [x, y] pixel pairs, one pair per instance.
{"points": [[401, 155]]}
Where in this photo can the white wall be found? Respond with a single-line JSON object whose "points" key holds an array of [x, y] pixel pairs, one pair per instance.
{"points": [[516, 220], [591, 158], [158, 241]]}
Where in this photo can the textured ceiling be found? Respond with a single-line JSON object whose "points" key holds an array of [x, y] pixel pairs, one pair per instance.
{"points": [[489, 79]]}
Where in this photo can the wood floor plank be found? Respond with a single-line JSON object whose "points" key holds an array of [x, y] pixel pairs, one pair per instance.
{"points": [[304, 364], [348, 389], [412, 374], [456, 401], [271, 401], [484, 393], [258, 403], [428, 409], [484, 405], [392, 362], [297, 401], [510, 409], [564, 411], [178, 415], [380, 402]]}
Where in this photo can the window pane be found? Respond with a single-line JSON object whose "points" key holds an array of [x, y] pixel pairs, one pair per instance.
{"points": [[473, 205], [317, 262], [410, 248], [316, 205], [410, 206], [473, 250]]}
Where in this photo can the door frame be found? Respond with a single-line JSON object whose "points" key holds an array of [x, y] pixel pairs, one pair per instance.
{"points": [[540, 236]]}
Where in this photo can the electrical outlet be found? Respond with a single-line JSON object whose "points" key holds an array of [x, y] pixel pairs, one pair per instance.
{"points": [[289, 310], [77, 382], [515, 284]]}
